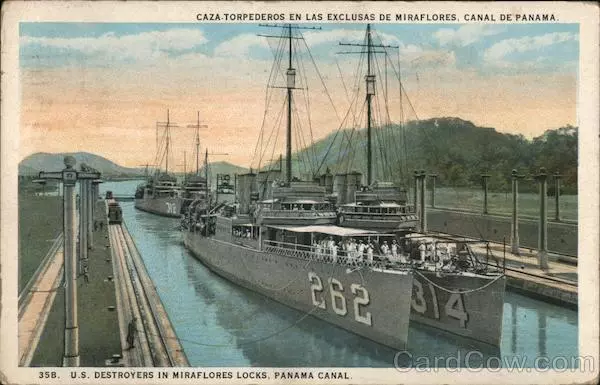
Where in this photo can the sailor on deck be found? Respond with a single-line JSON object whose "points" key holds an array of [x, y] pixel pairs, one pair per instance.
{"points": [[370, 252], [334, 252], [394, 253], [330, 244], [385, 249], [360, 250], [422, 249], [352, 250]]}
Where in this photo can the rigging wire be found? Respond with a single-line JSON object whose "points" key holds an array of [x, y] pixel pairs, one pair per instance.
{"points": [[305, 92], [268, 95]]}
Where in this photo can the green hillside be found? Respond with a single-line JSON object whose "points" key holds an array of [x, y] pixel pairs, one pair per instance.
{"points": [[457, 150]]}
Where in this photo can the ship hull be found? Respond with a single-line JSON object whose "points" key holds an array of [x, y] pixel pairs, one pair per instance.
{"points": [[365, 302], [164, 206], [467, 305]]}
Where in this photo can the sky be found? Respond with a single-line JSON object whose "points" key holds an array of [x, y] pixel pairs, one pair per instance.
{"points": [[101, 87]]}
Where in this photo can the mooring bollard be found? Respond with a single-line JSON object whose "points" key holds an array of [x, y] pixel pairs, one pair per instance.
{"points": [[484, 181]]}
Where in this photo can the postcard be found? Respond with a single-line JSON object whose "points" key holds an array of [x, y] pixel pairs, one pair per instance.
{"points": [[299, 192]]}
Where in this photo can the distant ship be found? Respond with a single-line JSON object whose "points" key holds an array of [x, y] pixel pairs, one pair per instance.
{"points": [[160, 193], [195, 186], [346, 253]]}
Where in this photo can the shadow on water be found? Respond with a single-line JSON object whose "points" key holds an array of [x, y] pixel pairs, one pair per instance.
{"points": [[222, 324]]}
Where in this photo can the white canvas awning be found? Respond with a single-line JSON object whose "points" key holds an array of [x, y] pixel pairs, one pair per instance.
{"points": [[329, 229], [303, 201]]}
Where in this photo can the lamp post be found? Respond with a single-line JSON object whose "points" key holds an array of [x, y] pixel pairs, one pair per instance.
{"points": [[514, 234], [416, 176], [542, 178], [69, 176], [484, 181], [557, 177], [422, 212], [433, 178]]}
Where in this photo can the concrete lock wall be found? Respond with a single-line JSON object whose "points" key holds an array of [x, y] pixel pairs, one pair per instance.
{"points": [[562, 237]]}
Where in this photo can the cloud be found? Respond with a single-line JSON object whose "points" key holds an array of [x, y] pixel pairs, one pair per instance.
{"points": [[500, 50], [432, 58], [144, 45], [466, 34], [241, 45]]}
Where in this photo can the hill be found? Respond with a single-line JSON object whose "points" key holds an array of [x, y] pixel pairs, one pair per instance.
{"points": [[455, 149], [42, 161]]}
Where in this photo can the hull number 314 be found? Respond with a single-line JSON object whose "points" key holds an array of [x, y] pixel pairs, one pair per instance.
{"points": [[337, 299], [453, 308]]}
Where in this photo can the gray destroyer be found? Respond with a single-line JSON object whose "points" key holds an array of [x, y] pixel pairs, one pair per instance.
{"points": [[160, 194], [348, 253]]}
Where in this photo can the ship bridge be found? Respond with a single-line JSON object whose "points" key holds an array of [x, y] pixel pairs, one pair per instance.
{"points": [[382, 207], [301, 203]]}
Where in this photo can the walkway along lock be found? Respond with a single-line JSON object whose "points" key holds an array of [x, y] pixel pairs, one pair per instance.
{"points": [[69, 176]]}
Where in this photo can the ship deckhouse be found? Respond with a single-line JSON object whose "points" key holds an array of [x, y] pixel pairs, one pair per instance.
{"points": [[163, 185], [194, 188], [300, 203], [381, 207]]}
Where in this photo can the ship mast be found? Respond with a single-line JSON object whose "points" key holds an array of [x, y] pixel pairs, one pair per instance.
{"points": [[370, 92], [198, 145], [291, 79], [370, 83], [291, 85], [206, 177], [158, 159], [197, 126], [167, 148]]}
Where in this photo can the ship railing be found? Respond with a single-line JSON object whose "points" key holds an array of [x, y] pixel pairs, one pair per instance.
{"points": [[322, 254], [379, 216], [353, 259], [268, 213], [402, 210]]}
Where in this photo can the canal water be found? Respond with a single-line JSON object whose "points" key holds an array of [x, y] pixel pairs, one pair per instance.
{"points": [[223, 325]]}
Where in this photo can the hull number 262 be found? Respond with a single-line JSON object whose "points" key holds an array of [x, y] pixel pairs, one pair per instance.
{"points": [[337, 299]]}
